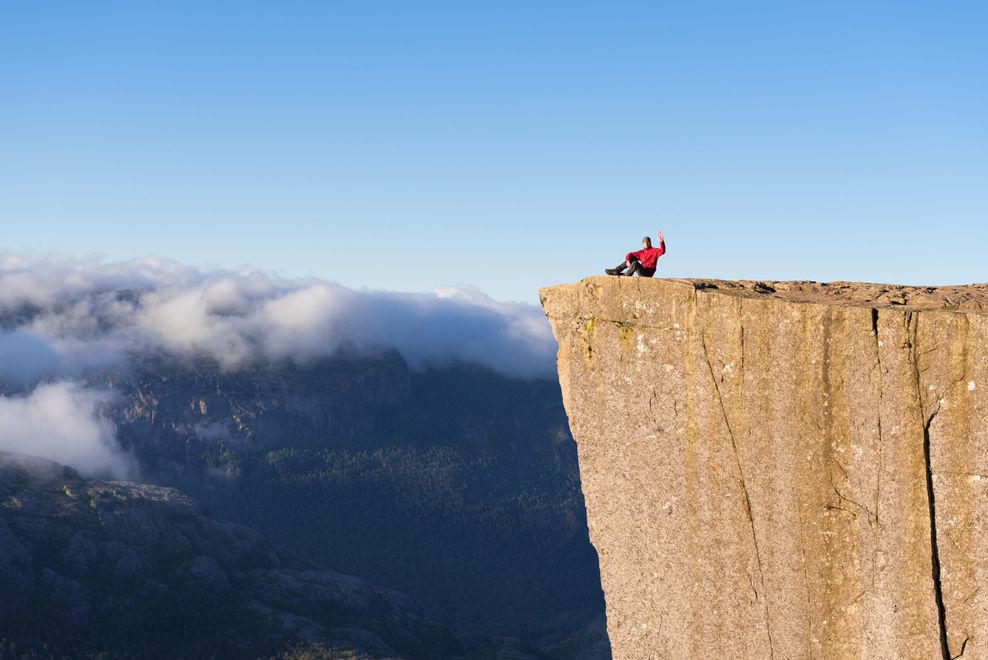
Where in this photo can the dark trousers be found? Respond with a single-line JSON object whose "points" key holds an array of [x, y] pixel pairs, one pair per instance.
{"points": [[636, 267]]}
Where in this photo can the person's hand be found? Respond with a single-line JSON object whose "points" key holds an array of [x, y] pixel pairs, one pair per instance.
{"points": [[662, 238]]}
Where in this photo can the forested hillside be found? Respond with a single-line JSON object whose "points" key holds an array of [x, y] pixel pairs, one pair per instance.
{"points": [[457, 486]]}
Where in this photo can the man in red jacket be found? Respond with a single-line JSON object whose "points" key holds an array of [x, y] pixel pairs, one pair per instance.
{"points": [[643, 261]]}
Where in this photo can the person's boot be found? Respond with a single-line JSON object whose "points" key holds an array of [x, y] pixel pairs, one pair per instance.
{"points": [[611, 271]]}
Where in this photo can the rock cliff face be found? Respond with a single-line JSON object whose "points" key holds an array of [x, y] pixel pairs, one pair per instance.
{"points": [[787, 470]]}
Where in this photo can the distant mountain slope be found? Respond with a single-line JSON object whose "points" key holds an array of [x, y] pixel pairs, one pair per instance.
{"points": [[457, 486], [142, 571]]}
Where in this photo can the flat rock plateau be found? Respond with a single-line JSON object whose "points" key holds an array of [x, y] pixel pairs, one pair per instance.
{"points": [[782, 469]]}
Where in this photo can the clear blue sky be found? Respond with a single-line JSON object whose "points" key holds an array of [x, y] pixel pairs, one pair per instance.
{"points": [[507, 145]]}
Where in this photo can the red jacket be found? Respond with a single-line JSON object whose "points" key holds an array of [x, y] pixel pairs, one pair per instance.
{"points": [[648, 257]]}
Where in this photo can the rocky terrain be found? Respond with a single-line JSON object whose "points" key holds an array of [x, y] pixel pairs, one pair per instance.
{"points": [[142, 571], [782, 469]]}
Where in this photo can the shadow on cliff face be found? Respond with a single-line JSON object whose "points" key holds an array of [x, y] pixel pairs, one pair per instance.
{"points": [[459, 487]]}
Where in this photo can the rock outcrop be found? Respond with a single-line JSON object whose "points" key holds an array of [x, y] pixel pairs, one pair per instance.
{"points": [[782, 470], [118, 569]]}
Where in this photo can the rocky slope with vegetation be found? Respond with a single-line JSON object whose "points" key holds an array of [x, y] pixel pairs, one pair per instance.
{"points": [[456, 486], [120, 569]]}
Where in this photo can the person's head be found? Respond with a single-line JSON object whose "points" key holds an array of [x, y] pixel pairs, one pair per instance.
{"points": [[646, 242]]}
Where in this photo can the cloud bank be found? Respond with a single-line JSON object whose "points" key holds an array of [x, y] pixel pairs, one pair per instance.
{"points": [[64, 320], [65, 315], [60, 421]]}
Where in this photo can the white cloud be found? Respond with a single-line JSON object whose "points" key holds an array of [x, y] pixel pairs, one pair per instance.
{"points": [[60, 421], [87, 313], [61, 318]]}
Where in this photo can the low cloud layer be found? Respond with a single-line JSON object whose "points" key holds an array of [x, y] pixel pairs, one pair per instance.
{"points": [[62, 315], [61, 421], [65, 320]]}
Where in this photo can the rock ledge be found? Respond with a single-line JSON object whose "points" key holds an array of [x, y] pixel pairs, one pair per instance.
{"points": [[782, 469]]}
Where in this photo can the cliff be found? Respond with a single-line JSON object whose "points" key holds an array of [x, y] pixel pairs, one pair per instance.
{"points": [[787, 470]]}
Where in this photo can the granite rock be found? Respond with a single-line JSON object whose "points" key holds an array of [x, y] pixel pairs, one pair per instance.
{"points": [[782, 469]]}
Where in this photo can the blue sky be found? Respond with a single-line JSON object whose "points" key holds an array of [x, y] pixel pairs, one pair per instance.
{"points": [[505, 145]]}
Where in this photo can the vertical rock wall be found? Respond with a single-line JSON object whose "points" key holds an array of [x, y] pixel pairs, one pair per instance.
{"points": [[782, 471]]}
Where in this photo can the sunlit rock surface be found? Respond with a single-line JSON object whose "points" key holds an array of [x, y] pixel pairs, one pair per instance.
{"points": [[782, 469]]}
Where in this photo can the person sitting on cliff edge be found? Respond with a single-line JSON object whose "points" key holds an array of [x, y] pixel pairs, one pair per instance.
{"points": [[643, 261]]}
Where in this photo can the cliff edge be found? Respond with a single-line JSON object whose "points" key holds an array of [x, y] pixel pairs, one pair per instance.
{"points": [[782, 469]]}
